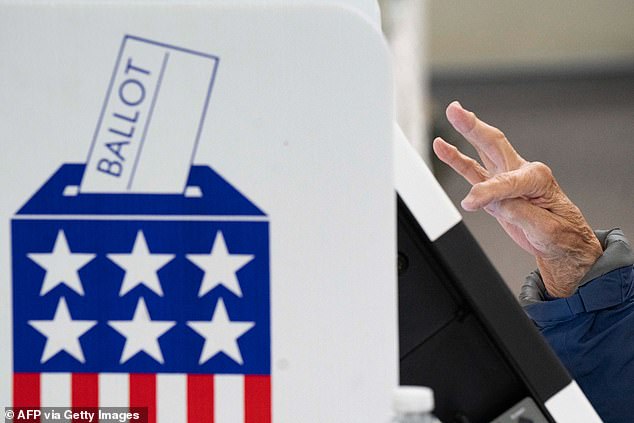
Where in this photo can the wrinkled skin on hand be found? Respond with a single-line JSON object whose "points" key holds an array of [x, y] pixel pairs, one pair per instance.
{"points": [[525, 199]]}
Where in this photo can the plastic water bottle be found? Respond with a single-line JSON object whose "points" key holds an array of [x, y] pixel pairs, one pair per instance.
{"points": [[413, 404]]}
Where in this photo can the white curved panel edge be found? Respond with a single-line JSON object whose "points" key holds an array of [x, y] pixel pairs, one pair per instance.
{"points": [[570, 405], [420, 190], [368, 8]]}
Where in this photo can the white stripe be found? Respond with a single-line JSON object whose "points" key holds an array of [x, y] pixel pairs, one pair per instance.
{"points": [[167, 218], [114, 390], [56, 390], [420, 191], [171, 398], [228, 399], [570, 405]]}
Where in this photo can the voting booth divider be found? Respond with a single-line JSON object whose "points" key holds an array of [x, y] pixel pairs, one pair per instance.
{"points": [[197, 220], [199, 214]]}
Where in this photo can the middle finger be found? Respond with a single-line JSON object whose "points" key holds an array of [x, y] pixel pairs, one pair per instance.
{"points": [[491, 144]]}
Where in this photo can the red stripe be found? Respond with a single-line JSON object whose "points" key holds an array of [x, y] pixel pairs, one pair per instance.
{"points": [[200, 398], [143, 394], [84, 394], [26, 392], [257, 399], [85, 390]]}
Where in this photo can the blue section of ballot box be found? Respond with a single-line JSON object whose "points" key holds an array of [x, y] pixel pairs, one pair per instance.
{"points": [[102, 227]]}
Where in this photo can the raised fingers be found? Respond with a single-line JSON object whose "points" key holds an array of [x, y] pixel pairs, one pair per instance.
{"points": [[465, 166], [495, 150]]}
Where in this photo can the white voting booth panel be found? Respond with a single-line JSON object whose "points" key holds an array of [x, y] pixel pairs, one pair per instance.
{"points": [[198, 210]]}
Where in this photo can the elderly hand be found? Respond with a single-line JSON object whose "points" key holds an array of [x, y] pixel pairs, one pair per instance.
{"points": [[525, 199]]}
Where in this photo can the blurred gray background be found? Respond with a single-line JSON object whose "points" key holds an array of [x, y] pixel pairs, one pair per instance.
{"points": [[558, 79]]}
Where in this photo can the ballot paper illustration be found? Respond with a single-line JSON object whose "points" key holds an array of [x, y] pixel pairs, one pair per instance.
{"points": [[141, 282]]}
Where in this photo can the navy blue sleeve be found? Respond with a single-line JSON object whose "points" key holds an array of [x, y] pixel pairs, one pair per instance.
{"points": [[597, 345], [592, 331]]}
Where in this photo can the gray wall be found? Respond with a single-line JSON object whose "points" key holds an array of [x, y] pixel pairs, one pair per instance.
{"points": [[487, 34]]}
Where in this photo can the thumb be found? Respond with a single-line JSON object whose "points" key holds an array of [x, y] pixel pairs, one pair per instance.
{"points": [[536, 222]]}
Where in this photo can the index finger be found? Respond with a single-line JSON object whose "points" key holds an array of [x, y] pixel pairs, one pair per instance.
{"points": [[485, 138], [465, 166]]}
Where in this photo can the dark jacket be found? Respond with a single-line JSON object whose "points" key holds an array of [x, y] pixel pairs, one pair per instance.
{"points": [[592, 331]]}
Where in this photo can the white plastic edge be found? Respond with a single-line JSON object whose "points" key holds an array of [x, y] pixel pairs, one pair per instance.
{"points": [[368, 8], [570, 405], [420, 190]]}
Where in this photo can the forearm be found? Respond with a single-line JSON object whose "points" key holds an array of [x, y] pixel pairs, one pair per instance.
{"points": [[573, 250], [561, 276]]}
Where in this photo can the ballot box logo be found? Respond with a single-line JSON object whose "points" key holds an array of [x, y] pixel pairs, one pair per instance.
{"points": [[143, 289]]}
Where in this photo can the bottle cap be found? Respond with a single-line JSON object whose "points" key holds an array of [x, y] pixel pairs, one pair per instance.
{"points": [[413, 399]]}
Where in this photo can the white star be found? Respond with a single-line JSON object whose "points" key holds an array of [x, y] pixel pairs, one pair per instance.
{"points": [[62, 333], [141, 333], [220, 267], [141, 266], [61, 265], [221, 334]]}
